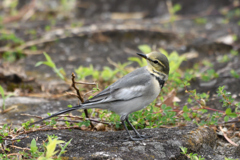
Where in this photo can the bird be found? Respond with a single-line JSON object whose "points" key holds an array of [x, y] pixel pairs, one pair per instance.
{"points": [[130, 93]]}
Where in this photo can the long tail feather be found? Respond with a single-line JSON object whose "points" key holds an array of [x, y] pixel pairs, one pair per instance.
{"points": [[58, 113]]}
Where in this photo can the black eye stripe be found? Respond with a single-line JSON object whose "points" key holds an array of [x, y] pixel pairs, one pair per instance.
{"points": [[157, 62]]}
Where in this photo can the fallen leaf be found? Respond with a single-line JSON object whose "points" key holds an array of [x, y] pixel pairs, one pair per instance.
{"points": [[100, 127], [134, 15], [227, 39], [170, 99]]}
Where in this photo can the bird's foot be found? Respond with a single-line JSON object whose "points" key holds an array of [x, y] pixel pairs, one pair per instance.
{"points": [[136, 138], [132, 139], [142, 136], [145, 136]]}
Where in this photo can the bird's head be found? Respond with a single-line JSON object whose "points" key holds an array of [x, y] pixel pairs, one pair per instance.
{"points": [[157, 62]]}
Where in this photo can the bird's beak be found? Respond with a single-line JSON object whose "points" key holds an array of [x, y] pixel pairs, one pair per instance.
{"points": [[142, 55]]}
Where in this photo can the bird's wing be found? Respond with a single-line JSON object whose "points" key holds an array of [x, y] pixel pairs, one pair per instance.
{"points": [[128, 87]]}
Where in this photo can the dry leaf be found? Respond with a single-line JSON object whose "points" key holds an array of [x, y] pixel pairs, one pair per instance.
{"points": [[84, 128], [100, 127], [135, 15], [227, 39], [171, 97]]}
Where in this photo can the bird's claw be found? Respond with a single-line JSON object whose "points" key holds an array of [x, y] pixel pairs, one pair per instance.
{"points": [[143, 136]]}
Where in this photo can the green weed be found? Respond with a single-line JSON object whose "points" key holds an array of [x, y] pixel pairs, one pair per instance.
{"points": [[59, 71], [49, 148], [4, 97], [200, 20], [192, 156]]}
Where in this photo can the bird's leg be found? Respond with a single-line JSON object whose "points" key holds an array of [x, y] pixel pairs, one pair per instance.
{"points": [[131, 138], [136, 132]]}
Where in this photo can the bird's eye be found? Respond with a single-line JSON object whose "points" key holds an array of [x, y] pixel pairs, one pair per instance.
{"points": [[155, 62]]}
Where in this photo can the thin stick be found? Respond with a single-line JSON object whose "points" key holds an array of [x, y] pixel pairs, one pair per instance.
{"points": [[225, 135], [14, 154], [80, 97], [93, 83], [20, 148], [14, 139]]}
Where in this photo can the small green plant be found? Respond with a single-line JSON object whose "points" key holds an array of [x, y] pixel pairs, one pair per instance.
{"points": [[3, 133], [51, 147], [209, 74], [196, 111], [4, 97], [12, 41], [12, 6], [141, 62], [235, 37], [49, 150], [192, 156], [11, 38], [107, 74], [200, 20], [59, 71], [224, 59], [234, 74], [145, 48], [67, 5], [227, 101], [83, 72], [234, 52], [47, 28], [34, 149], [173, 10], [207, 63]]}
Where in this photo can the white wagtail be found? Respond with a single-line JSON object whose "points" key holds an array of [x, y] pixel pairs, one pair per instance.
{"points": [[131, 93]]}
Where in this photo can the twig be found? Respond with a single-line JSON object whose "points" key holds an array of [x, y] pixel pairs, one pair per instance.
{"points": [[71, 94], [26, 9], [9, 109], [20, 147], [93, 83], [76, 89], [13, 139], [72, 121], [88, 93], [112, 62], [31, 116], [80, 97], [14, 154], [225, 135]]}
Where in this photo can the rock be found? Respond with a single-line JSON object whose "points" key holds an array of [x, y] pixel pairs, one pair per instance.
{"points": [[164, 145]]}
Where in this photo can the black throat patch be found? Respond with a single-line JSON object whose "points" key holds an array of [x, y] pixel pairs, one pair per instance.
{"points": [[160, 81]]}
